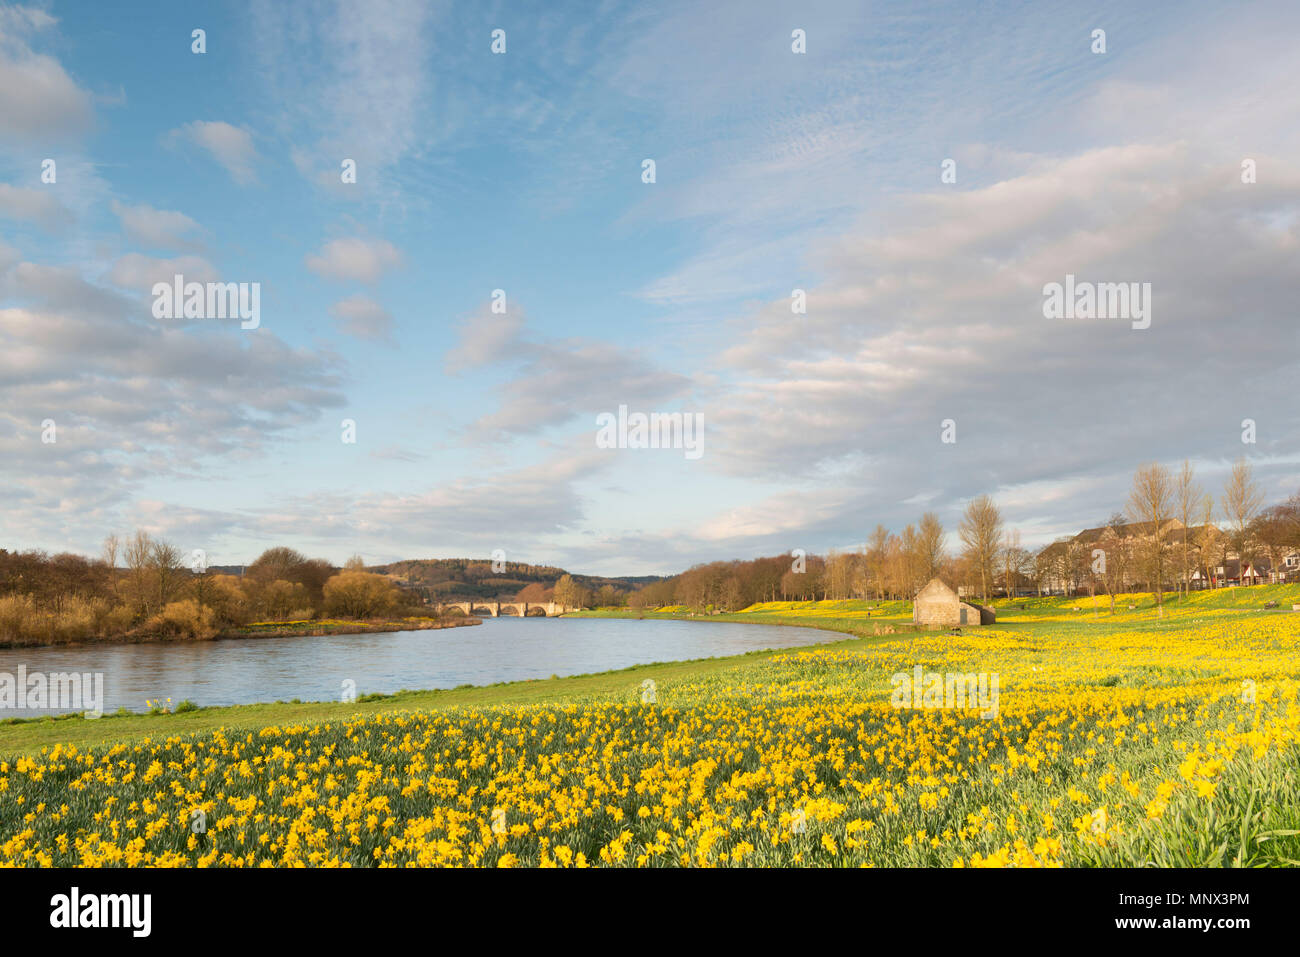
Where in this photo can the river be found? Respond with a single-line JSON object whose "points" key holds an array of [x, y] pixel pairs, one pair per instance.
{"points": [[247, 670]]}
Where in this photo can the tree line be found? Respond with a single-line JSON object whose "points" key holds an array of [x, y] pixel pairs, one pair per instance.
{"points": [[1173, 533], [571, 593], [142, 586], [1168, 529]]}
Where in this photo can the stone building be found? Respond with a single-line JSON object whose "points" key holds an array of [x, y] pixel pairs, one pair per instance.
{"points": [[938, 606]]}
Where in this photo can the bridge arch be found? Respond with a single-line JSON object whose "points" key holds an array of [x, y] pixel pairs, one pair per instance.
{"points": [[495, 608]]}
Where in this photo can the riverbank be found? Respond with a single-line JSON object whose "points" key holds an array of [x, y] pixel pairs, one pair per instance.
{"points": [[19, 736], [310, 629], [270, 629], [860, 619]]}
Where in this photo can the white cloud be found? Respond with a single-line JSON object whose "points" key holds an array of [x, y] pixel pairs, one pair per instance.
{"points": [[39, 101], [363, 318], [231, 146], [355, 259], [134, 402], [485, 336], [39, 206], [139, 272], [533, 503], [578, 379], [933, 310], [155, 227], [559, 380]]}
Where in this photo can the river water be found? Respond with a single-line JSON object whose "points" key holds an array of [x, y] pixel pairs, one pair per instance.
{"points": [[247, 670]]}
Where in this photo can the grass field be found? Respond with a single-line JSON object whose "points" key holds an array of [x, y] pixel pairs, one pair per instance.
{"points": [[1137, 739]]}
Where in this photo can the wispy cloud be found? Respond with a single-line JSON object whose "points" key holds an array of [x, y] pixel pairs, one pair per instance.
{"points": [[231, 146]]}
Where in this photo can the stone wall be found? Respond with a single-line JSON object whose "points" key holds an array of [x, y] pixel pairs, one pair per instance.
{"points": [[936, 606]]}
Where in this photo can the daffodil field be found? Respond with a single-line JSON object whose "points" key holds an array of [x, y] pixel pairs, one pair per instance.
{"points": [[1130, 741]]}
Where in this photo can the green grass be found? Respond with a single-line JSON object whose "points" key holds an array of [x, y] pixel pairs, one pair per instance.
{"points": [[20, 736]]}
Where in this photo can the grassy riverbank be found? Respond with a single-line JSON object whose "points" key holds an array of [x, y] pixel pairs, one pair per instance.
{"points": [[860, 619], [303, 628], [25, 735], [344, 626], [29, 735]]}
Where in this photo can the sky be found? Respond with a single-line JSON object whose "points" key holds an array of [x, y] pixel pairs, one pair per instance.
{"points": [[523, 172]]}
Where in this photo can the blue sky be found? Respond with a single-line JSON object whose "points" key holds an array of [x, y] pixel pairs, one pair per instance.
{"points": [[522, 172]]}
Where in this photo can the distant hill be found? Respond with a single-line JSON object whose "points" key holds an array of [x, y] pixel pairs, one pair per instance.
{"points": [[458, 579]]}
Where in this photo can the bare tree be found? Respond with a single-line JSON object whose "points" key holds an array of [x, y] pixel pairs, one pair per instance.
{"points": [[111, 548], [732, 594], [138, 555], [839, 574], [1044, 573], [930, 533], [893, 565], [166, 561], [911, 561], [875, 555], [1151, 502], [981, 533], [1292, 506], [1050, 567], [569, 594], [1208, 540], [1025, 568], [1241, 500], [1072, 564], [1271, 530], [1188, 494], [1111, 565], [1010, 560]]}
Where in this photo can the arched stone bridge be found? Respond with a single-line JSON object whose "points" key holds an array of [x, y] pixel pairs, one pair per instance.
{"points": [[495, 609]]}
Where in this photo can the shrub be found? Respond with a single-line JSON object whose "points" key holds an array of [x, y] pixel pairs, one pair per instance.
{"points": [[24, 621], [355, 594], [226, 597], [276, 600], [183, 619], [16, 611], [116, 621]]}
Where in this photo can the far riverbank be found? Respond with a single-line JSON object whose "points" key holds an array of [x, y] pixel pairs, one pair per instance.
{"points": [[272, 629]]}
